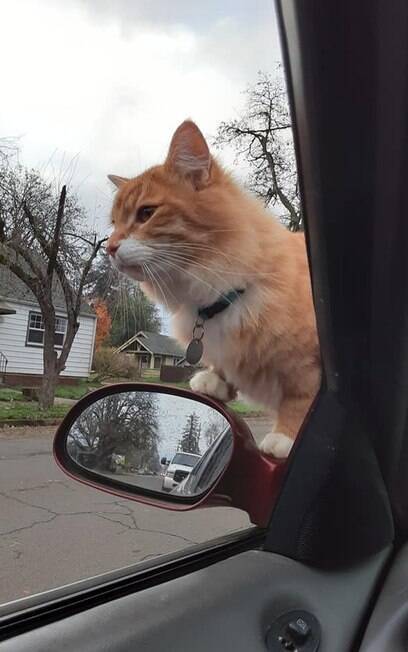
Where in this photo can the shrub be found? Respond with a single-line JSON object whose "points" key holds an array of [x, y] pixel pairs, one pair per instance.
{"points": [[107, 363]]}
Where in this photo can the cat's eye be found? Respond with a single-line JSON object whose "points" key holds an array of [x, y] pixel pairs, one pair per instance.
{"points": [[144, 213]]}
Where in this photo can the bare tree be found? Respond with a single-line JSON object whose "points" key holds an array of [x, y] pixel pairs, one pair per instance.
{"points": [[262, 137], [8, 148], [124, 423], [43, 242]]}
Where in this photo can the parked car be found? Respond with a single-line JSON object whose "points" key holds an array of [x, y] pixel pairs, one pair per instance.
{"points": [[208, 468], [179, 468]]}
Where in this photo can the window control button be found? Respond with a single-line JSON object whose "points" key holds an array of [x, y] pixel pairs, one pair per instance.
{"points": [[294, 631], [298, 630]]}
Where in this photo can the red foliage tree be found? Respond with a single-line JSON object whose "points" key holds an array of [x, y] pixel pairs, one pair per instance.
{"points": [[104, 322]]}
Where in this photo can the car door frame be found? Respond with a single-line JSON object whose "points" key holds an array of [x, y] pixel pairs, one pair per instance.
{"points": [[341, 498]]}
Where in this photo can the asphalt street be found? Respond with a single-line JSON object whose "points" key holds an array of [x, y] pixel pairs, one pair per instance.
{"points": [[54, 531]]}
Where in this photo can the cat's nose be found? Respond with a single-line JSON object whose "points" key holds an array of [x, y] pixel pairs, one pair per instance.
{"points": [[112, 248]]}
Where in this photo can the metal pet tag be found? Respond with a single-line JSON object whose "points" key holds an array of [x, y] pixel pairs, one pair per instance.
{"points": [[194, 351]]}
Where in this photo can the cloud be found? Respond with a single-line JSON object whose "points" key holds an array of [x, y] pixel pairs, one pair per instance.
{"points": [[236, 35], [107, 82], [158, 14]]}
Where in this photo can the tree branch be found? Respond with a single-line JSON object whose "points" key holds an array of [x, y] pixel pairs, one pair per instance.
{"points": [[73, 305], [45, 246], [86, 270], [295, 216], [91, 243], [53, 252]]}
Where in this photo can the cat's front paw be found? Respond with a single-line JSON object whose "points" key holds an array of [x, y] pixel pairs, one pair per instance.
{"points": [[276, 444], [208, 382]]}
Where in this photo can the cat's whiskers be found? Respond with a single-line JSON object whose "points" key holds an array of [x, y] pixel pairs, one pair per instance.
{"points": [[153, 279], [201, 248], [125, 311], [116, 306], [121, 308], [195, 246], [121, 304], [189, 257], [167, 274], [173, 262], [108, 284], [158, 269], [183, 260]]}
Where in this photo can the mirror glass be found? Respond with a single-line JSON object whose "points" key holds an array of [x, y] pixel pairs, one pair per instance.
{"points": [[151, 440]]}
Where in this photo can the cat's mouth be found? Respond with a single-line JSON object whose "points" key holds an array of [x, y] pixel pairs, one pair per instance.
{"points": [[136, 272], [130, 259]]}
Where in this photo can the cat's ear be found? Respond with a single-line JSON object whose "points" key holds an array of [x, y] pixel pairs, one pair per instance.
{"points": [[117, 181], [189, 155]]}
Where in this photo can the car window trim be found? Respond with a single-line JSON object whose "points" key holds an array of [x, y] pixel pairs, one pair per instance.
{"points": [[62, 602]]}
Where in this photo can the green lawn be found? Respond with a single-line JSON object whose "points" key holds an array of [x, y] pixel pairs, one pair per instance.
{"points": [[7, 394], [13, 405], [63, 391], [74, 391], [30, 411], [245, 409]]}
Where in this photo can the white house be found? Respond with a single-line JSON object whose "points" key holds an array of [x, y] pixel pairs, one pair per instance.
{"points": [[22, 334]]}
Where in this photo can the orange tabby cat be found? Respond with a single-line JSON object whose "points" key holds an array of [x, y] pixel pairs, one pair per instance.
{"points": [[191, 235]]}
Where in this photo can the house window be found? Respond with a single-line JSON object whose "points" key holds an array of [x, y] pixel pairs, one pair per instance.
{"points": [[35, 331]]}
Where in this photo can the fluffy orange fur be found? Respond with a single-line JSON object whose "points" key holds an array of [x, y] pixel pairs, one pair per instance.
{"points": [[190, 234]]}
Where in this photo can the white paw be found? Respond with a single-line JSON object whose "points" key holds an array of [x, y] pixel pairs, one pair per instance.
{"points": [[208, 382], [276, 444]]}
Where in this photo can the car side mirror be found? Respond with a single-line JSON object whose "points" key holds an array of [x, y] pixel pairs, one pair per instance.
{"points": [[119, 438]]}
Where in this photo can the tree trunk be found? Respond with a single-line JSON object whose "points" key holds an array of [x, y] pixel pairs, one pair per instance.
{"points": [[49, 381], [50, 364]]}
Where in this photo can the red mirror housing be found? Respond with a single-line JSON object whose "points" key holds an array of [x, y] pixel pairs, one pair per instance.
{"points": [[250, 480]]}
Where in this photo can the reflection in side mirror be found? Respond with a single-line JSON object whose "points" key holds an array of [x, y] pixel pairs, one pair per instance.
{"points": [[167, 447], [151, 441]]}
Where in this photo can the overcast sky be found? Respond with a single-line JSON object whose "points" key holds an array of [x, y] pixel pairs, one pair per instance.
{"points": [[92, 87], [105, 82]]}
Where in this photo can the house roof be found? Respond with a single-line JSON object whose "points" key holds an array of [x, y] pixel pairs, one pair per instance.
{"points": [[13, 289], [156, 343]]}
